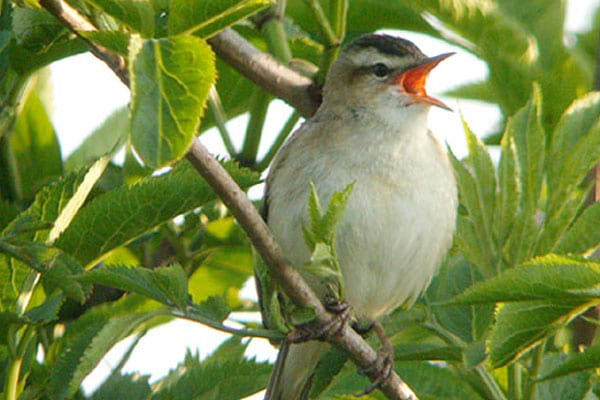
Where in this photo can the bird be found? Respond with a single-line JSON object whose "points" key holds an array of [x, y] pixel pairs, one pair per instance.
{"points": [[370, 130]]}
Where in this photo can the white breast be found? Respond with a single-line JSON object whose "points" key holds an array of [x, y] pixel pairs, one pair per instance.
{"points": [[400, 218]]}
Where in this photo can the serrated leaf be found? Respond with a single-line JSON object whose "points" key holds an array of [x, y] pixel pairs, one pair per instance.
{"points": [[471, 234], [136, 14], [509, 193], [136, 387], [47, 311], [106, 139], [435, 382], [214, 308], [35, 147], [574, 124], [328, 367], [231, 349], [116, 218], [550, 277], [35, 30], [223, 273], [116, 41], [170, 81], [484, 174], [49, 204], [426, 351], [525, 128], [574, 386], [167, 285], [206, 18], [61, 273], [214, 380], [584, 235], [469, 323], [86, 348], [575, 362], [521, 325]]}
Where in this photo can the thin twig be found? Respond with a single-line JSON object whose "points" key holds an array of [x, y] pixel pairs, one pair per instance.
{"points": [[272, 76]]}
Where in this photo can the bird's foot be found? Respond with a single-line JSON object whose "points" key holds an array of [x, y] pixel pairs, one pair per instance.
{"points": [[383, 365], [306, 332]]}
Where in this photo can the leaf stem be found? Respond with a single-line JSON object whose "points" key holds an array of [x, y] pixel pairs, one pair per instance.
{"points": [[515, 381], [214, 102], [258, 114], [324, 24], [495, 391], [16, 363], [333, 30], [189, 314], [531, 387], [279, 140]]}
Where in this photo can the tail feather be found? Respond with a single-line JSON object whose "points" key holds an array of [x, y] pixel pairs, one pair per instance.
{"points": [[293, 370]]}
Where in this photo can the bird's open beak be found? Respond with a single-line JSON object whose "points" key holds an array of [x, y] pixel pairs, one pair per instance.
{"points": [[412, 81]]}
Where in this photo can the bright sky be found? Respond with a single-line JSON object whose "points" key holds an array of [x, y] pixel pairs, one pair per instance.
{"points": [[86, 92]]}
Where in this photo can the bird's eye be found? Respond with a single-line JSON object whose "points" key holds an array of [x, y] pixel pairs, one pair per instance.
{"points": [[380, 70]]}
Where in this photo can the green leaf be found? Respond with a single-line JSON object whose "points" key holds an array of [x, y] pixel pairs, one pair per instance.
{"points": [[426, 351], [574, 362], [54, 206], [509, 191], [225, 380], [47, 311], [525, 128], [116, 218], [116, 41], [170, 81], [206, 18], [214, 308], [550, 277], [584, 234], [577, 121], [86, 348], [469, 323], [574, 386], [136, 387], [62, 273], [167, 285], [36, 30], [136, 14], [484, 174], [472, 234], [35, 147], [223, 273], [328, 367], [230, 349], [8, 211], [435, 382], [481, 91], [521, 325], [106, 139]]}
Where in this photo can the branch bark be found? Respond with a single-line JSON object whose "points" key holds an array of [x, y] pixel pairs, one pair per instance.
{"points": [[294, 88]]}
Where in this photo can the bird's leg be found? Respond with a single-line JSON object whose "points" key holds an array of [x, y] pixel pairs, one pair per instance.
{"points": [[384, 364], [306, 332]]}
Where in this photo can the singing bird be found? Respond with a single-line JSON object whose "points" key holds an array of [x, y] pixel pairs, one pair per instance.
{"points": [[370, 130]]}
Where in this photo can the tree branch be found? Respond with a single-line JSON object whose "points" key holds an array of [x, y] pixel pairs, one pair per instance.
{"points": [[264, 70], [283, 83]]}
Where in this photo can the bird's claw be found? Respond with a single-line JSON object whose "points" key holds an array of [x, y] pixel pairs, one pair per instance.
{"points": [[306, 332]]}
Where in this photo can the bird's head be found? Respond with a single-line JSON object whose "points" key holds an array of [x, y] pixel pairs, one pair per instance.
{"points": [[381, 71]]}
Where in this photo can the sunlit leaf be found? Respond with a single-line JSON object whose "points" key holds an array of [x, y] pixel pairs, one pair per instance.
{"points": [[170, 81], [208, 17]]}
